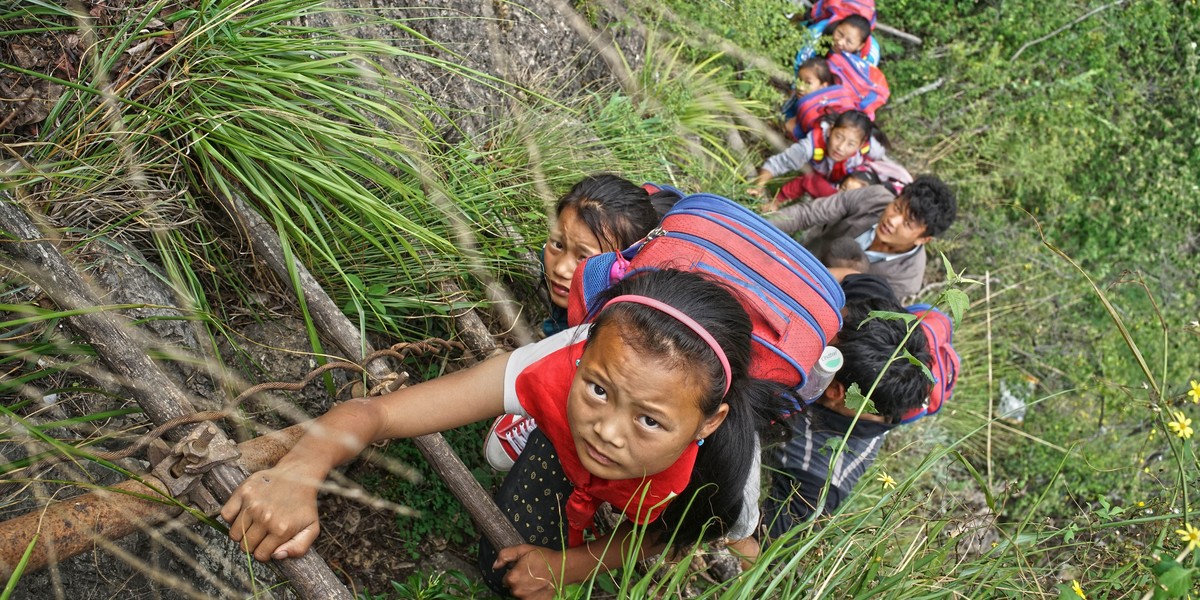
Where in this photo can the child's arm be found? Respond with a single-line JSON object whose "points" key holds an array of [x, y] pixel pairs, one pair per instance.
{"points": [[798, 217], [757, 187], [537, 572], [793, 159], [274, 512]]}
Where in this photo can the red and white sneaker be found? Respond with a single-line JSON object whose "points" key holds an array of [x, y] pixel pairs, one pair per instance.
{"points": [[506, 440]]}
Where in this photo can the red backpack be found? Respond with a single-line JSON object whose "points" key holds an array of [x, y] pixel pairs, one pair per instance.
{"points": [[864, 79], [939, 334], [793, 302], [836, 10], [832, 100]]}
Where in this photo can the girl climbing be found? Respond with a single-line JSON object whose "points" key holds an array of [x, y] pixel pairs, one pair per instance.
{"points": [[815, 94], [851, 35], [648, 408], [601, 213], [831, 151]]}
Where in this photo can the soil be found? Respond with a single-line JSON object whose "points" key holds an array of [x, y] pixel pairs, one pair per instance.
{"points": [[532, 44]]}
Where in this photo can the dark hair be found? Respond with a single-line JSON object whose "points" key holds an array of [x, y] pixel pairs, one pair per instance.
{"points": [[663, 201], [857, 119], [866, 348], [858, 22], [616, 210], [820, 68], [712, 501], [866, 176], [845, 252], [932, 202]]}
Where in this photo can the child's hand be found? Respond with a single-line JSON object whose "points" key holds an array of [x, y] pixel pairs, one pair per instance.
{"points": [[756, 191], [273, 514], [532, 576]]}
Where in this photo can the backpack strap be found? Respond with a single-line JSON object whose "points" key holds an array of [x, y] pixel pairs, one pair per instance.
{"points": [[818, 137], [818, 154], [654, 188]]}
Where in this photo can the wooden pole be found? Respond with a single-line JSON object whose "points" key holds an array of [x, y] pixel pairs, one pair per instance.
{"points": [[42, 263], [72, 526], [335, 326]]}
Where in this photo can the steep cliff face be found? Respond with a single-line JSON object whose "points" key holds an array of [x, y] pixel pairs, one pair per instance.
{"points": [[500, 48], [540, 45]]}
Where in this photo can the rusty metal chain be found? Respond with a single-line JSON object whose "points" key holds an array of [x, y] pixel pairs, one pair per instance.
{"points": [[386, 384]]}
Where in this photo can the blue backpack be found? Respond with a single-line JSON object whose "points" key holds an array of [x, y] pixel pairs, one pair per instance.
{"points": [[793, 302]]}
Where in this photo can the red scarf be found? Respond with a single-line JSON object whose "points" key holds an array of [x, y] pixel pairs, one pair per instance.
{"points": [[543, 389]]}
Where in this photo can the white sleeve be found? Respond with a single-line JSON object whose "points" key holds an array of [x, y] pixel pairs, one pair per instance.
{"points": [[747, 522], [523, 357]]}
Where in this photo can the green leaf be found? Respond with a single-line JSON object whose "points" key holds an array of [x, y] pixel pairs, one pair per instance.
{"points": [[831, 446], [957, 302], [855, 399], [19, 569], [912, 360], [1174, 583], [887, 315], [987, 491], [1164, 565]]}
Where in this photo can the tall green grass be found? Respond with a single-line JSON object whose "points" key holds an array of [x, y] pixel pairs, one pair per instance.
{"points": [[346, 161]]}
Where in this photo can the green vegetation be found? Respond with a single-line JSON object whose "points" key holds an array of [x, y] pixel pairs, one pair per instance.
{"points": [[1070, 132]]}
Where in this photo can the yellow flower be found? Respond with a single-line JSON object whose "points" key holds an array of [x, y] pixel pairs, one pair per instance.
{"points": [[887, 481], [1191, 535], [1194, 393], [1078, 589], [1182, 426]]}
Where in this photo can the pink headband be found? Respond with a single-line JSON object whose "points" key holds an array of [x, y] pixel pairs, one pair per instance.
{"points": [[687, 321]]}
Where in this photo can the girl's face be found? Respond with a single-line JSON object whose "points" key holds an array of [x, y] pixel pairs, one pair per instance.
{"points": [[570, 242], [807, 82], [847, 38], [843, 143], [633, 415]]}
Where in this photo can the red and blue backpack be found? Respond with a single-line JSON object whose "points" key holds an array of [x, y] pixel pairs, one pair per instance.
{"points": [[831, 100], [793, 302], [939, 336], [836, 10], [864, 79]]}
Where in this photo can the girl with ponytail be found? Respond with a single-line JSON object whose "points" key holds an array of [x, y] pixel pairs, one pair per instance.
{"points": [[836, 147], [648, 407]]}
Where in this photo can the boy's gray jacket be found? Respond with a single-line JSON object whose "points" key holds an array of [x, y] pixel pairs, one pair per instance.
{"points": [[849, 214]]}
